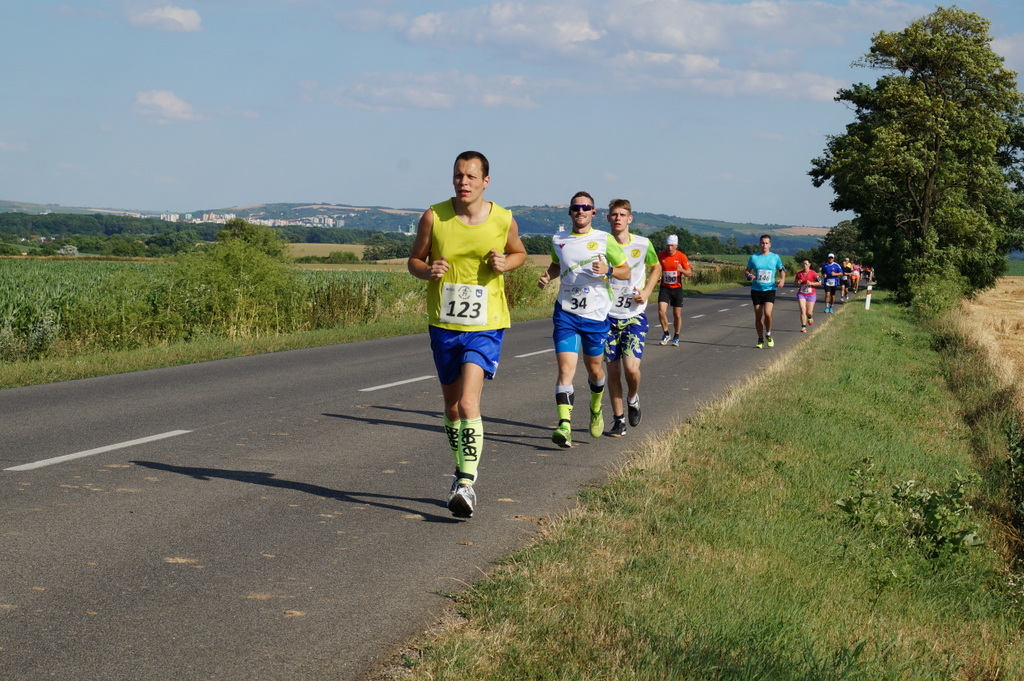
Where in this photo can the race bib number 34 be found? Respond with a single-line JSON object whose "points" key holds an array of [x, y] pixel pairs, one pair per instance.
{"points": [[463, 304], [576, 299]]}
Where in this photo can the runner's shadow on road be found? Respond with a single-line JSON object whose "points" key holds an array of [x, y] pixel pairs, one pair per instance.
{"points": [[268, 480], [436, 414], [383, 422], [492, 423], [497, 429]]}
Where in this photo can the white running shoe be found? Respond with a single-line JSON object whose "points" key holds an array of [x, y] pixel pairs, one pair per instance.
{"points": [[462, 501]]}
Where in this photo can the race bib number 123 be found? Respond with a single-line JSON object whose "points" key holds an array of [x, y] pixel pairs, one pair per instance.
{"points": [[464, 304]]}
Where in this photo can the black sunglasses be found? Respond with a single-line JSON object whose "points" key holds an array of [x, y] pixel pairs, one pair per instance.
{"points": [[580, 207]]}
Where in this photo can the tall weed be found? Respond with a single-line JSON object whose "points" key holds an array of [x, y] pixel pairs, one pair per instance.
{"points": [[229, 290], [717, 274]]}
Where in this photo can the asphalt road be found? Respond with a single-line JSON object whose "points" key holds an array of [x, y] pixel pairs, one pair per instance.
{"points": [[282, 516]]}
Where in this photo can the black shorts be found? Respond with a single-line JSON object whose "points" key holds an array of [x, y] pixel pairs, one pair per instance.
{"points": [[672, 296], [762, 297]]}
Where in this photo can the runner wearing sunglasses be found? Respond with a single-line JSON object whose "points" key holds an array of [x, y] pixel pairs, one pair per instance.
{"points": [[584, 258]]}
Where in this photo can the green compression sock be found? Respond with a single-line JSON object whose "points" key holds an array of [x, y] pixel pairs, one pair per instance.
{"points": [[596, 393], [451, 429], [471, 445], [564, 397]]}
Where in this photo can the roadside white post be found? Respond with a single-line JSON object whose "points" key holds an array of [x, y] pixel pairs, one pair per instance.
{"points": [[867, 299]]}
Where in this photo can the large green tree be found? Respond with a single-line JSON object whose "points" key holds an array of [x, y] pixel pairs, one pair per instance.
{"points": [[930, 161]]}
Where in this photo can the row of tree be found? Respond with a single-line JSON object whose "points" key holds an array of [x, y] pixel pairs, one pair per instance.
{"points": [[125, 241], [77, 228]]}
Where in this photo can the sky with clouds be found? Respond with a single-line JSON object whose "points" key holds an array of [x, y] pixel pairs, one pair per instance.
{"points": [[708, 109]]}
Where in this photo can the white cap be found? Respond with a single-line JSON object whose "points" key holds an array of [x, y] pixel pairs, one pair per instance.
{"points": [[672, 240], [831, 255]]}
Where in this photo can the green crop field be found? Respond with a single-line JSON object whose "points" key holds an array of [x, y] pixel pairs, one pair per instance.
{"points": [[61, 307]]}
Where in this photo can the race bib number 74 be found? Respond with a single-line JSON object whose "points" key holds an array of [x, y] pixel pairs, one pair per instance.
{"points": [[464, 304]]}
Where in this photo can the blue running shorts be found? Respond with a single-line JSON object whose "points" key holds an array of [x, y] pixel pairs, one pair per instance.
{"points": [[573, 333], [452, 349]]}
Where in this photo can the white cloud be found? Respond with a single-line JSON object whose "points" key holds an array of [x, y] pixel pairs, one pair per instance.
{"points": [[167, 18], [12, 146], [164, 106], [387, 92], [1011, 49], [761, 48], [372, 20], [524, 29]]}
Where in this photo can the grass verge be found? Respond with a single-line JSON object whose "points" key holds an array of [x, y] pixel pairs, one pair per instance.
{"points": [[720, 552]]}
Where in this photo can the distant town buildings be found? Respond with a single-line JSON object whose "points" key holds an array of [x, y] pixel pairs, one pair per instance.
{"points": [[221, 218]]}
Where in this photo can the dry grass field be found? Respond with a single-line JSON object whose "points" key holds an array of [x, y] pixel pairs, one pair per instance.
{"points": [[995, 320], [323, 250]]}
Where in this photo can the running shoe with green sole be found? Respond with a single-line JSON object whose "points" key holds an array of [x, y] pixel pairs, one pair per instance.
{"points": [[596, 423], [562, 435]]}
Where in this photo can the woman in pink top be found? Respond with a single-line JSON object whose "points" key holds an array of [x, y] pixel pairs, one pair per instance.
{"points": [[806, 294]]}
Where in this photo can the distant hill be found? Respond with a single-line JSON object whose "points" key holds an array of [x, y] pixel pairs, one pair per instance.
{"points": [[532, 220], [42, 208], [785, 238]]}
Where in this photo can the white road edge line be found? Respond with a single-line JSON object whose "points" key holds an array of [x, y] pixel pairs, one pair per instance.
{"points": [[98, 450], [531, 354], [392, 385], [696, 316]]}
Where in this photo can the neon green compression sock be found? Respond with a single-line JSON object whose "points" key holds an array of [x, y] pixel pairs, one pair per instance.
{"points": [[596, 393], [471, 446], [563, 401], [451, 429]]}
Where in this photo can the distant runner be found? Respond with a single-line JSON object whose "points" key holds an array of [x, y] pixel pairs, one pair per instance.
{"points": [[806, 294], [674, 266], [830, 273], [761, 269]]}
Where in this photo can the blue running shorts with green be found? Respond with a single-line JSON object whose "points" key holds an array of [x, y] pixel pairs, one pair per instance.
{"points": [[573, 333], [626, 337], [452, 349]]}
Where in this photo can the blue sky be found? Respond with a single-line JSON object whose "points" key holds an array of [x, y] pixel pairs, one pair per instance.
{"points": [[703, 109]]}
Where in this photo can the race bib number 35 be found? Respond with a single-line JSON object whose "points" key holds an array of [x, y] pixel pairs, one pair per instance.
{"points": [[463, 304], [623, 298]]}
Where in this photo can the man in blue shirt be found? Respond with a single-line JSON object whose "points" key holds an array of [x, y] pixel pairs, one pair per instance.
{"points": [[830, 273], [761, 270]]}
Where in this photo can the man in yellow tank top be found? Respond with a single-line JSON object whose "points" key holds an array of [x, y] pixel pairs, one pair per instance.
{"points": [[462, 249]]}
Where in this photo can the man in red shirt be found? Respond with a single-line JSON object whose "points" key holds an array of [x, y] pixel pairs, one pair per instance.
{"points": [[674, 266]]}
